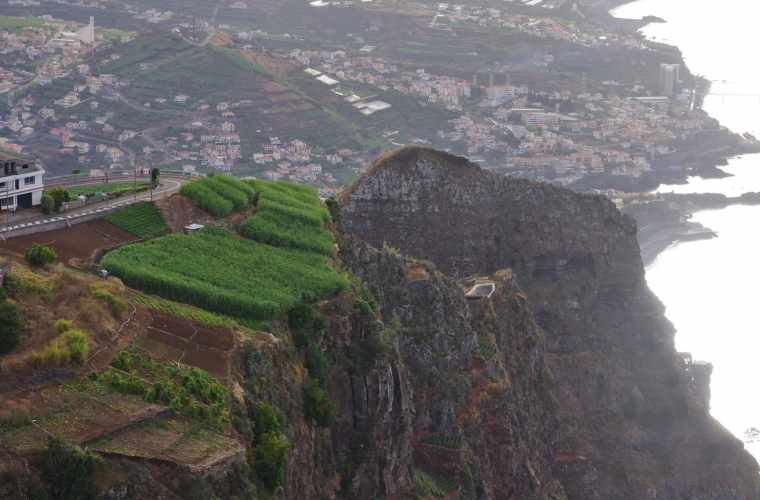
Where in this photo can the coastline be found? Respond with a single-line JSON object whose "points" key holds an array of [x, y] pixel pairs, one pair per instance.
{"points": [[655, 238]]}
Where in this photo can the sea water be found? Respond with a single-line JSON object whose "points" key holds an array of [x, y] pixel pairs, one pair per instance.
{"points": [[710, 287]]}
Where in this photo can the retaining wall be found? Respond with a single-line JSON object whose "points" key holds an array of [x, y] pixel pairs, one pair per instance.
{"points": [[61, 222]]}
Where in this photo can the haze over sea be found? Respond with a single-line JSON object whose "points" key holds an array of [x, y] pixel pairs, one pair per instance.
{"points": [[710, 287]]}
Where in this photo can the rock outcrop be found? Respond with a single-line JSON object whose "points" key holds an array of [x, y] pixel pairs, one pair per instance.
{"points": [[632, 416]]}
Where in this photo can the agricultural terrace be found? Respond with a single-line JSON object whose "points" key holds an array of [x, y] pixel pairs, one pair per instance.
{"points": [[216, 270], [289, 215], [142, 220], [218, 195]]}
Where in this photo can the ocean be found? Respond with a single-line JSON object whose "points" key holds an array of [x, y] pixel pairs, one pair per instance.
{"points": [[710, 287]]}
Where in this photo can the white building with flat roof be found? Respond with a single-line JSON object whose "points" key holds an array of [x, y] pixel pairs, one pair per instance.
{"points": [[20, 182]]}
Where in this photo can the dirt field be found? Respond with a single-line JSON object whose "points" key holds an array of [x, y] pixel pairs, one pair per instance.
{"points": [[173, 339], [76, 242], [179, 211]]}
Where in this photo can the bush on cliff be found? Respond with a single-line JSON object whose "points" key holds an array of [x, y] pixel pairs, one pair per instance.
{"points": [[317, 404], [68, 470], [10, 322], [270, 457]]}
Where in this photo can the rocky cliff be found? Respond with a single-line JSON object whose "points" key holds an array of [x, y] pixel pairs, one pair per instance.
{"points": [[624, 416]]}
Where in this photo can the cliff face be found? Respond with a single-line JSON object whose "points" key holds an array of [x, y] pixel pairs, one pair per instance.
{"points": [[633, 417], [434, 394]]}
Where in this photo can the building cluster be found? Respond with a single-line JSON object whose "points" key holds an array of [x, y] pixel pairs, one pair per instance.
{"points": [[451, 15], [149, 15]]}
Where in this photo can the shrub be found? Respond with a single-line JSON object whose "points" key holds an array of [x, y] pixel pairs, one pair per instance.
{"points": [[265, 422], [101, 291], [47, 204], [319, 323], [62, 325], [67, 469], [39, 494], [270, 457], [39, 255], [317, 365], [10, 322], [302, 339], [193, 410], [123, 361], [56, 354], [59, 195], [317, 404], [160, 391], [3, 295], [77, 345], [300, 316]]}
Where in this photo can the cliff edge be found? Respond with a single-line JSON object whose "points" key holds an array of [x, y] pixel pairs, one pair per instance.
{"points": [[633, 416]]}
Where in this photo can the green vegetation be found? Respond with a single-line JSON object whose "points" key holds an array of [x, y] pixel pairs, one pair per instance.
{"points": [[191, 392], [317, 365], [436, 485], [270, 457], [142, 220], [62, 325], [183, 312], [47, 204], [216, 270], [68, 470], [114, 188], [71, 346], [218, 195], [104, 291], [486, 345], [59, 195], [10, 322], [454, 442], [39, 255], [290, 216], [317, 405]]}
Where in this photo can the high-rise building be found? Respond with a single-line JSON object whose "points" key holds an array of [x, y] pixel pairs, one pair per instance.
{"points": [[669, 75]]}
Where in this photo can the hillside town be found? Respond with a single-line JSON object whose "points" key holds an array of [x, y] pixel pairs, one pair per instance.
{"points": [[560, 136]]}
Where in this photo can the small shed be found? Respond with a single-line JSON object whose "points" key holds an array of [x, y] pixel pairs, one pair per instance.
{"points": [[480, 290], [193, 228]]}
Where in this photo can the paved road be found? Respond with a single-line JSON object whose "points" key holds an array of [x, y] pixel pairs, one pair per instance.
{"points": [[168, 186], [147, 135]]}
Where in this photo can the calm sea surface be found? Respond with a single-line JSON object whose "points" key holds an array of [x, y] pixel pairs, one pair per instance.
{"points": [[711, 288]]}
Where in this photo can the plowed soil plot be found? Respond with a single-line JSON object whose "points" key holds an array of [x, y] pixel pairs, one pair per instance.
{"points": [[203, 345], [205, 335], [78, 241]]}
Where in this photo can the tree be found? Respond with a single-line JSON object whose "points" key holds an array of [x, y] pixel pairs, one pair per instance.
{"points": [[265, 422], [39, 255], [155, 175], [59, 195], [47, 203], [68, 470], [270, 457], [317, 365], [76, 172], [10, 322], [317, 404]]}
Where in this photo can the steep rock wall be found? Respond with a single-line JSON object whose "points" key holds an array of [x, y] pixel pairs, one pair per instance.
{"points": [[634, 421]]}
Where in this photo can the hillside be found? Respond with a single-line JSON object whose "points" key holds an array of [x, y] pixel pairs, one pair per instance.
{"points": [[547, 371]]}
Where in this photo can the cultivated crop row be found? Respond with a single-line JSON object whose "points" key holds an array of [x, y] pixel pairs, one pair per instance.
{"points": [[437, 486], [486, 345], [453, 442], [215, 270], [218, 195], [289, 215], [183, 312], [142, 220]]}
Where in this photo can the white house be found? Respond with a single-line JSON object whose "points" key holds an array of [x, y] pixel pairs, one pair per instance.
{"points": [[20, 182]]}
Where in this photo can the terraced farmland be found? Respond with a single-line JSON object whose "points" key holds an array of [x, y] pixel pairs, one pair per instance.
{"points": [[218, 195], [216, 270], [142, 220], [290, 216]]}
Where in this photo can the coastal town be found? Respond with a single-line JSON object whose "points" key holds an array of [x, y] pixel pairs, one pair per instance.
{"points": [[560, 135]]}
